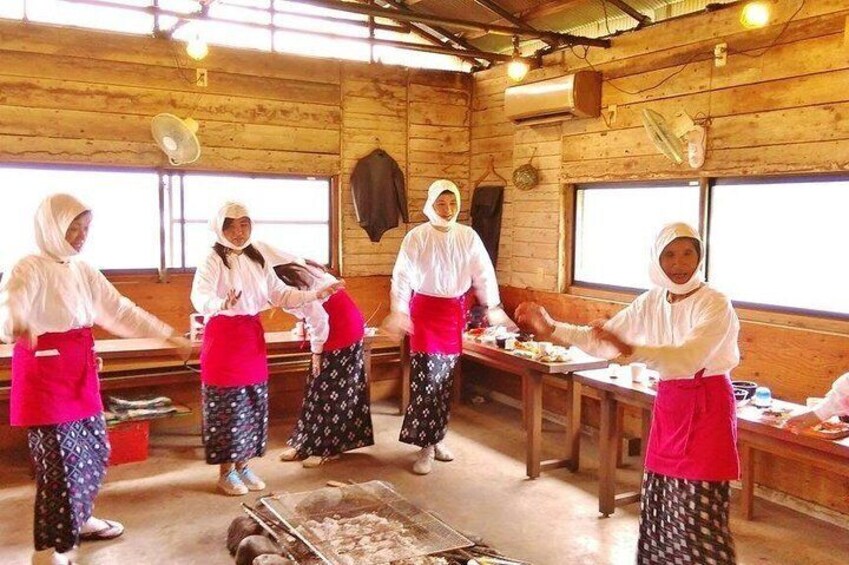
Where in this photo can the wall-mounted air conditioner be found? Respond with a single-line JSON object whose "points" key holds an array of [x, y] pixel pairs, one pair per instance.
{"points": [[572, 96]]}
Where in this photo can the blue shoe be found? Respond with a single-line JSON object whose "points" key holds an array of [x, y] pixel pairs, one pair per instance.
{"points": [[250, 480], [232, 484]]}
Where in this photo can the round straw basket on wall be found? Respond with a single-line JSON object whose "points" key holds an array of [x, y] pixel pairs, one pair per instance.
{"points": [[527, 176]]}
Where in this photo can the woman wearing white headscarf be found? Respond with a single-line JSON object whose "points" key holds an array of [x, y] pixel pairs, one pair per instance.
{"points": [[437, 264], [686, 331], [335, 416], [231, 287], [48, 305]]}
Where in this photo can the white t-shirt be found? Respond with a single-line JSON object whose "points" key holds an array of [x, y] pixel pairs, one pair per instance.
{"points": [[443, 264], [49, 296], [677, 340]]}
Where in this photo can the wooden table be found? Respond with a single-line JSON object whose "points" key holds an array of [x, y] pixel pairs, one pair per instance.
{"points": [[755, 435], [534, 374], [611, 393], [134, 363]]}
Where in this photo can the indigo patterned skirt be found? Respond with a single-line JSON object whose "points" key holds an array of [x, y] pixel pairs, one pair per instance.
{"points": [[235, 422], [336, 416], [70, 463], [431, 380], [684, 522]]}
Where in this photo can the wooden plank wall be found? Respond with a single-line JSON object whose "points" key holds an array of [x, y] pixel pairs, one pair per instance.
{"points": [[85, 97], [778, 106]]}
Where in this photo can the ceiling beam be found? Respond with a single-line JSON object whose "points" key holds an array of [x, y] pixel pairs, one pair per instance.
{"points": [[459, 41], [641, 18], [559, 38], [507, 16]]}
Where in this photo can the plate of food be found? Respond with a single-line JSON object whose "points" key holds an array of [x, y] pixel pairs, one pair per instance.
{"points": [[832, 429], [775, 415]]}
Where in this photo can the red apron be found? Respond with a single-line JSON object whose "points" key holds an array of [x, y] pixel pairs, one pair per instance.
{"points": [[233, 352], [347, 325], [694, 430], [437, 324], [57, 382]]}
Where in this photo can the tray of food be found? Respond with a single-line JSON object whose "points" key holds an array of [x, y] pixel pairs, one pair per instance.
{"points": [[832, 429], [362, 524]]}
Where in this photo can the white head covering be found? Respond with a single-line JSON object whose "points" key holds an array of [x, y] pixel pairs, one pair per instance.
{"points": [[667, 235], [437, 188], [216, 224], [52, 220]]}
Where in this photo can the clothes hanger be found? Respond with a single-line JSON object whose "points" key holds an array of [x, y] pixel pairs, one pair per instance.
{"points": [[490, 169]]}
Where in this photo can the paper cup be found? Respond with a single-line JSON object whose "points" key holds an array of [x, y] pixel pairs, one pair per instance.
{"points": [[637, 371]]}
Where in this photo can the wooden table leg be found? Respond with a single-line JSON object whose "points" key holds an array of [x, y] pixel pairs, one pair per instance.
{"points": [[534, 431], [644, 437], [607, 447], [747, 477], [457, 392], [620, 427], [367, 368], [526, 399], [573, 426], [405, 374]]}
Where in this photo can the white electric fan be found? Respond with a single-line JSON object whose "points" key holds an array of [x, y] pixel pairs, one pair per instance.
{"points": [[177, 138], [682, 140]]}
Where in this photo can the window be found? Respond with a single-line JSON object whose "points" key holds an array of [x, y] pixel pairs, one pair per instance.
{"points": [[267, 25], [615, 226], [122, 17], [290, 213], [781, 242], [117, 240]]}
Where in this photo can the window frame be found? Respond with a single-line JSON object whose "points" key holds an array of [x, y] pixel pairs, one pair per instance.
{"points": [[822, 320], [163, 178], [333, 212], [585, 288], [774, 179]]}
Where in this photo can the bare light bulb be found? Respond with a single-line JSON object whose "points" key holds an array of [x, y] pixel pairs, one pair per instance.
{"points": [[197, 48], [517, 69], [755, 15]]}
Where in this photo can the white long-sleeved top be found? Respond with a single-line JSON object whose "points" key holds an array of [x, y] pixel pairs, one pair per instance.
{"points": [[312, 313], [260, 287], [47, 296], [444, 264], [836, 402], [677, 340]]}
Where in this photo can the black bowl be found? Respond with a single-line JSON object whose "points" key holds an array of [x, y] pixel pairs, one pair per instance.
{"points": [[747, 386], [740, 394]]}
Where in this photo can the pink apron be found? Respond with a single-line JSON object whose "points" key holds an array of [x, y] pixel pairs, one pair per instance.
{"points": [[57, 382], [347, 325], [437, 324], [233, 352], [694, 430]]}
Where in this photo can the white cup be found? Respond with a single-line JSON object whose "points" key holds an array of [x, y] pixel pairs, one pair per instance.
{"points": [[637, 370], [614, 369], [298, 330]]}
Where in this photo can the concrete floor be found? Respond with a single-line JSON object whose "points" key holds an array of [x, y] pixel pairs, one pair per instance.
{"points": [[174, 516]]}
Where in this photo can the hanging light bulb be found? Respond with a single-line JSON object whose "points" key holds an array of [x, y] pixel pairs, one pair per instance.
{"points": [[518, 67], [755, 15], [197, 48]]}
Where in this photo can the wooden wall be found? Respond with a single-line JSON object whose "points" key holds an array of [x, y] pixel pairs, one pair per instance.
{"points": [[85, 97], [777, 107]]}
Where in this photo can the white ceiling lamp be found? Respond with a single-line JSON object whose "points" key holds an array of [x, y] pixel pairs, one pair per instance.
{"points": [[518, 68], [755, 15], [197, 48]]}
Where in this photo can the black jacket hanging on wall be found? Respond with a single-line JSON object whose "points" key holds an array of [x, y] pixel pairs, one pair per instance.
{"points": [[377, 184], [486, 217]]}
